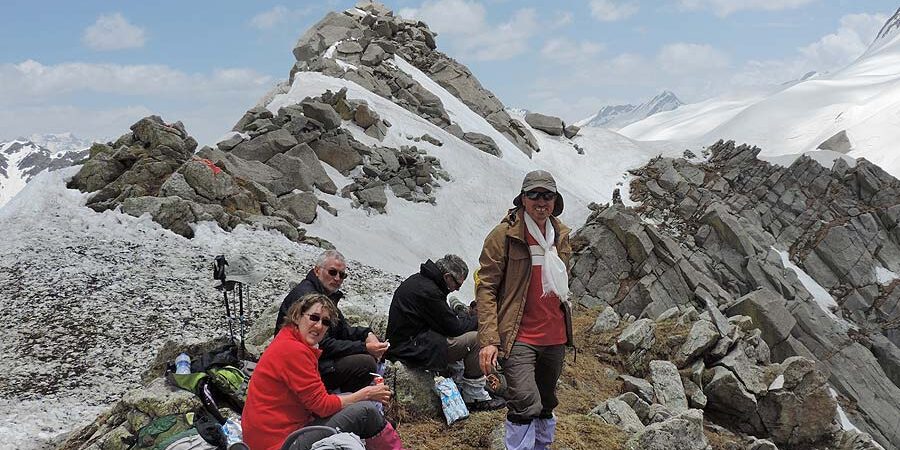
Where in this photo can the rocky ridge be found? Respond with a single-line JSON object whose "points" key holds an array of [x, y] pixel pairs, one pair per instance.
{"points": [[715, 249]]}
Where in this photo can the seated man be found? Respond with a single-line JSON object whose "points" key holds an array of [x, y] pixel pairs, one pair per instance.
{"points": [[424, 332], [349, 354]]}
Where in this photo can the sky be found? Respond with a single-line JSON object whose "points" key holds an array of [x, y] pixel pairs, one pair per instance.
{"points": [[95, 67]]}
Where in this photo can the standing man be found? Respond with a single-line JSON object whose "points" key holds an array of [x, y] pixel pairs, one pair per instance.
{"points": [[425, 332], [524, 319], [349, 354]]}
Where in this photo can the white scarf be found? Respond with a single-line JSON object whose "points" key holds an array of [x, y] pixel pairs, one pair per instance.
{"points": [[554, 276]]}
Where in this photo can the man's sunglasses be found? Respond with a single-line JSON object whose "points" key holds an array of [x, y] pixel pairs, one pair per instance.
{"points": [[534, 195], [335, 272], [316, 318]]}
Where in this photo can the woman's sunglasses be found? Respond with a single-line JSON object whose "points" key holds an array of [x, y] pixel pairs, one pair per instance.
{"points": [[534, 195], [335, 272], [317, 318]]}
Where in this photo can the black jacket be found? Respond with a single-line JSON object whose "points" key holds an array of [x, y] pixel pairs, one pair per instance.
{"points": [[341, 339], [420, 320]]}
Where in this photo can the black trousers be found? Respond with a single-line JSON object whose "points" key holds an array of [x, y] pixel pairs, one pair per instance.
{"points": [[362, 419], [351, 373]]}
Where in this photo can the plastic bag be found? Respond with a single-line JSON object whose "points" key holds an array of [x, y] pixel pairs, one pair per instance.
{"points": [[451, 402]]}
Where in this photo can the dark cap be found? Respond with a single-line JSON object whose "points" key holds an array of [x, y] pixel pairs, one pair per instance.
{"points": [[540, 179]]}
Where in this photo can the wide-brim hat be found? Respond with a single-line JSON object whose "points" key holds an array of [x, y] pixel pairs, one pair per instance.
{"points": [[541, 179]]}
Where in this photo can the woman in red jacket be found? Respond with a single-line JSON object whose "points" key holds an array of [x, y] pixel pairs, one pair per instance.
{"points": [[286, 392]]}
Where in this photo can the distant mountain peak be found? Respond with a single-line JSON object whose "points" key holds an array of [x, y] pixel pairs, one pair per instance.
{"points": [[24, 157], [618, 116]]}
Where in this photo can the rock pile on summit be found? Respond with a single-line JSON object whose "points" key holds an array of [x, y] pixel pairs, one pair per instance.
{"points": [[359, 45]]}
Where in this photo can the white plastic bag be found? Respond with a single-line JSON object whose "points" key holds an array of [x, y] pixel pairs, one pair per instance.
{"points": [[451, 402]]}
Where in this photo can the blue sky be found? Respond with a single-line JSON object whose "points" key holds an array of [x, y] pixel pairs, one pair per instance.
{"points": [[96, 67]]}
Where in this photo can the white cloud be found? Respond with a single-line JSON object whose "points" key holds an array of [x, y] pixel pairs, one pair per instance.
{"points": [[853, 37], [464, 24], [37, 98], [276, 16], [726, 7], [113, 32], [611, 11], [562, 18], [684, 58], [564, 49], [32, 81]]}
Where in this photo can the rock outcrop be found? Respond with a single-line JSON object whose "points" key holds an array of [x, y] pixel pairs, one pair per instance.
{"points": [[707, 238], [360, 44]]}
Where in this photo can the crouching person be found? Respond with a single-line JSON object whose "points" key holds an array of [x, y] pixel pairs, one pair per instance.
{"points": [[425, 332], [286, 392]]}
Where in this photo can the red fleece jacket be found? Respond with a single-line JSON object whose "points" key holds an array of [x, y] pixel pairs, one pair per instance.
{"points": [[285, 392]]}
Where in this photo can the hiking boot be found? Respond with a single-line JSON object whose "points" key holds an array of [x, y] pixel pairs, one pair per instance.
{"points": [[486, 405]]}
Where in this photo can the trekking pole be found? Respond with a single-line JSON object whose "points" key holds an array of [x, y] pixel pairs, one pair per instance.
{"points": [[241, 349], [228, 317]]}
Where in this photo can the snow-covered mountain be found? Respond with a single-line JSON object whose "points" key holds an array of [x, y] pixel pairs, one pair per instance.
{"points": [[23, 158], [618, 116], [861, 99]]}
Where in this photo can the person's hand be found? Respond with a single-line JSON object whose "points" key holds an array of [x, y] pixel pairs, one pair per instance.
{"points": [[377, 349], [376, 393], [372, 338], [487, 358]]}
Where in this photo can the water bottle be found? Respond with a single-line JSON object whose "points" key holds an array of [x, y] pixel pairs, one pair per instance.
{"points": [[234, 436], [183, 364]]}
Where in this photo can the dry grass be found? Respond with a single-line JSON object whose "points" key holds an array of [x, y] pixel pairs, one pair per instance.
{"points": [[582, 386]]}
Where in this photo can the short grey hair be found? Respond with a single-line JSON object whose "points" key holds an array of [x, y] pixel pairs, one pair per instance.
{"points": [[328, 254], [453, 265]]}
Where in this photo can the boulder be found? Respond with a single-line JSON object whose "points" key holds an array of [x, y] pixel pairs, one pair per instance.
{"points": [[413, 391], [667, 386], [618, 413], [322, 113], [639, 386], [638, 335], [802, 411], [768, 312], [319, 177], [297, 175], [336, 151], [702, 336], [607, 320], [265, 146], [571, 131], [301, 205], [838, 143], [365, 117], [548, 124], [482, 142], [683, 431]]}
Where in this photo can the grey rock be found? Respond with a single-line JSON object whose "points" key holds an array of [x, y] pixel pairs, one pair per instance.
{"points": [[322, 113], [838, 143], [667, 386], [548, 124], [265, 146], [802, 412], [365, 117], [297, 175], [301, 205], [320, 178], [482, 142], [336, 151], [681, 432], [768, 312], [373, 196], [702, 336], [607, 320], [571, 131], [618, 413], [638, 335], [639, 386], [413, 390]]}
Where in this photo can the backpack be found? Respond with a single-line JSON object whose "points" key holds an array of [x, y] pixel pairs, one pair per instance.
{"points": [[218, 382]]}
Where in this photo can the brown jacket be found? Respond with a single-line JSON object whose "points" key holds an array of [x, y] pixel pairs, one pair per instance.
{"points": [[502, 280]]}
